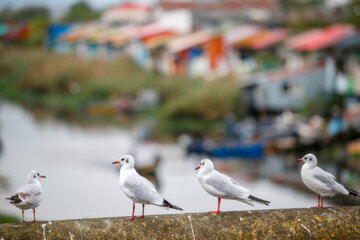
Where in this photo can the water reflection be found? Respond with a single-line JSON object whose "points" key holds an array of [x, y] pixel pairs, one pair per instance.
{"points": [[82, 182]]}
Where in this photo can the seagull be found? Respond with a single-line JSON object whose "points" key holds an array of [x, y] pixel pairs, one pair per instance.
{"points": [[222, 186], [321, 182], [30, 195], [138, 188]]}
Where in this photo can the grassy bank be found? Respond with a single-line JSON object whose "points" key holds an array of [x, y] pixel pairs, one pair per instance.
{"points": [[61, 83], [8, 219]]}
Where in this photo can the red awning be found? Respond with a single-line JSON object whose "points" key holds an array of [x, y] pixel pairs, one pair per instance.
{"points": [[238, 34], [268, 39], [188, 41], [319, 39], [140, 32]]}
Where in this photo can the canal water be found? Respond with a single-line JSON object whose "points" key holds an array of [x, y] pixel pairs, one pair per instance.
{"points": [[82, 183]]}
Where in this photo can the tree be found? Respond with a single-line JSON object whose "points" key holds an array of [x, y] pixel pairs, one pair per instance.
{"points": [[80, 11], [25, 14], [354, 13]]}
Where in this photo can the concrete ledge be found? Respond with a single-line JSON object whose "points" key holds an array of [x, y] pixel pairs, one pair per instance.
{"points": [[328, 223]]}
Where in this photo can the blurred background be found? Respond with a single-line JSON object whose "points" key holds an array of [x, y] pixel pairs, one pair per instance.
{"points": [[251, 84]]}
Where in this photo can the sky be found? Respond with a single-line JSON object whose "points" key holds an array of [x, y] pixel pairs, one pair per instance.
{"points": [[59, 7]]}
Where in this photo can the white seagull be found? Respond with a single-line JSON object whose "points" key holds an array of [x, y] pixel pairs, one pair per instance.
{"points": [[222, 186], [320, 182], [30, 195], [138, 188]]}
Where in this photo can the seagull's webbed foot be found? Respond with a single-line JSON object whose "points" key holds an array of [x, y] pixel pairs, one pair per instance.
{"points": [[129, 218], [214, 212]]}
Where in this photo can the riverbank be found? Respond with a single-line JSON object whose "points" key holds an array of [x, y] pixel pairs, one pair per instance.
{"points": [[64, 84]]}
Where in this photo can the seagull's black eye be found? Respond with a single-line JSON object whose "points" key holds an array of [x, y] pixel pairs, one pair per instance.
{"points": [[305, 158], [310, 159], [35, 176], [38, 175], [127, 160]]}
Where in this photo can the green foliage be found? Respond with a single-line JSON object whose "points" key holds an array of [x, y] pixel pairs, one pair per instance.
{"points": [[37, 33], [354, 13], [80, 11], [8, 219], [296, 4], [25, 14], [327, 104], [38, 78], [210, 101]]}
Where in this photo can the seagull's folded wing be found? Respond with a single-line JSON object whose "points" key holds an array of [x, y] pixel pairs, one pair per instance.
{"points": [[329, 181], [226, 186], [324, 177], [143, 190], [29, 193]]}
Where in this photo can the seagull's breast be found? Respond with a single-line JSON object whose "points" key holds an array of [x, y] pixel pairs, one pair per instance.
{"points": [[318, 187]]}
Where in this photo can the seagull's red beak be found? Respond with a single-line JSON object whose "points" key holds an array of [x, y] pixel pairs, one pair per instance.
{"points": [[300, 160], [42, 176], [197, 168], [116, 162]]}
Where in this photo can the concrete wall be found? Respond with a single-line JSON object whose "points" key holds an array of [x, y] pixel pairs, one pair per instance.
{"points": [[328, 223]]}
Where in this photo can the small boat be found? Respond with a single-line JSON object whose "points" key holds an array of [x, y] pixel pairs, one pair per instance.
{"points": [[237, 151], [232, 150]]}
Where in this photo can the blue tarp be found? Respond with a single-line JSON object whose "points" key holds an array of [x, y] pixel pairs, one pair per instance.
{"points": [[246, 151], [239, 151], [55, 31]]}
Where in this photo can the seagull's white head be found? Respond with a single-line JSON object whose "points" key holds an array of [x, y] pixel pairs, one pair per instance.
{"points": [[34, 175], [205, 165], [309, 159], [126, 161]]}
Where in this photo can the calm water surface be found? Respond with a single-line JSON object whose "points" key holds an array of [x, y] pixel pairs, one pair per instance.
{"points": [[82, 183]]}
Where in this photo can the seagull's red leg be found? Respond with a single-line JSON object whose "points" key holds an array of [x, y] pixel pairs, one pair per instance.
{"points": [[34, 215], [132, 217], [218, 211], [318, 206], [142, 212], [22, 211]]}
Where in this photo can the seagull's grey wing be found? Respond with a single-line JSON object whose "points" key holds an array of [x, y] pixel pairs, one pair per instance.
{"points": [[324, 177], [143, 190], [329, 180], [226, 185]]}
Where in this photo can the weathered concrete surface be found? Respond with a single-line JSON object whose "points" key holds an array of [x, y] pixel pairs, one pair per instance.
{"points": [[328, 223]]}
